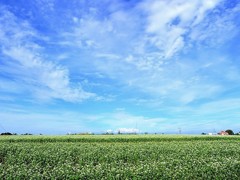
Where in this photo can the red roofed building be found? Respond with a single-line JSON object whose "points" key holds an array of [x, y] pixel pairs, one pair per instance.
{"points": [[223, 133]]}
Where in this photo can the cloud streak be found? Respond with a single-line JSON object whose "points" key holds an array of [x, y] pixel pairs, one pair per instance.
{"points": [[28, 67], [169, 22], [149, 61]]}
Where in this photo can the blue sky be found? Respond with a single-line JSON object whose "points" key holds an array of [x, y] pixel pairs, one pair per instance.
{"points": [[93, 66]]}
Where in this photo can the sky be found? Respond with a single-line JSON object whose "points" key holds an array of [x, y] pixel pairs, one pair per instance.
{"points": [[157, 66]]}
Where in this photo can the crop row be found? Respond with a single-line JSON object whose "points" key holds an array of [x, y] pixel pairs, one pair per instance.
{"points": [[115, 138]]}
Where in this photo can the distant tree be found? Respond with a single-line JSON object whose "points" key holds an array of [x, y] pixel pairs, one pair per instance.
{"points": [[230, 132], [83, 133], [6, 133], [26, 134], [204, 133]]}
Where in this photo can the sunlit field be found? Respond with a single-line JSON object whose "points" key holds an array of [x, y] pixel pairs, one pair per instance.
{"points": [[119, 157]]}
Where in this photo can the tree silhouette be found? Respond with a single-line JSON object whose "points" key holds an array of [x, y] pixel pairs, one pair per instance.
{"points": [[230, 132]]}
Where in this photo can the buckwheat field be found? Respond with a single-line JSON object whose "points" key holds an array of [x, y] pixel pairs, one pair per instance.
{"points": [[119, 157]]}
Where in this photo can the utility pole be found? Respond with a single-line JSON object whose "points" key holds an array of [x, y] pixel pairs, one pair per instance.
{"points": [[179, 130]]}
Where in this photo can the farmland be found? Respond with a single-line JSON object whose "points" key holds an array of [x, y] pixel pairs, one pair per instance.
{"points": [[120, 157]]}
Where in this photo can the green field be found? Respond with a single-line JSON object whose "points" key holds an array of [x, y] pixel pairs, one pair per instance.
{"points": [[120, 157]]}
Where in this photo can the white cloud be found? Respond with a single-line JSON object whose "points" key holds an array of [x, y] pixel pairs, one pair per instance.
{"points": [[29, 68], [75, 19], [52, 81], [141, 57], [169, 21], [109, 131], [130, 50], [211, 30]]}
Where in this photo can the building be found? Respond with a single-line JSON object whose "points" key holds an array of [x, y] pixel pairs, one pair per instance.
{"points": [[223, 133], [211, 134]]}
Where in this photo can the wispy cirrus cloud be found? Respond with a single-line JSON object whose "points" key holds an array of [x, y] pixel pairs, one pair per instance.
{"points": [[27, 66], [143, 56], [217, 30], [169, 22]]}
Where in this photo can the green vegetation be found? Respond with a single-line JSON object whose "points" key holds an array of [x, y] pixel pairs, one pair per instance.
{"points": [[119, 157]]}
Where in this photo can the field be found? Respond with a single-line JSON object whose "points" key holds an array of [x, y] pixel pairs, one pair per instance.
{"points": [[119, 157]]}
